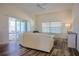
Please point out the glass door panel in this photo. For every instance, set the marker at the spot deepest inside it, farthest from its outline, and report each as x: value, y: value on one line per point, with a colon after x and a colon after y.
x: 23, y: 27
x: 12, y: 28
x: 12, y: 25
x: 28, y: 26
x: 18, y: 26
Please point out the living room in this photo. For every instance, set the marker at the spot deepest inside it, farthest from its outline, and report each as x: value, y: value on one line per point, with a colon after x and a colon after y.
x: 56, y: 19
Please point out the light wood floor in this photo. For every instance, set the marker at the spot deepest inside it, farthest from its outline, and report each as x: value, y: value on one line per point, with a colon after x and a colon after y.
x: 60, y: 49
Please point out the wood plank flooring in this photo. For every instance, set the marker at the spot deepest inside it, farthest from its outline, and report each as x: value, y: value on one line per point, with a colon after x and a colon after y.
x: 60, y: 49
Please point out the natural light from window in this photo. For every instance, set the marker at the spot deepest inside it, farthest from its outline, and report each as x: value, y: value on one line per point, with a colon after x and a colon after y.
x: 52, y: 27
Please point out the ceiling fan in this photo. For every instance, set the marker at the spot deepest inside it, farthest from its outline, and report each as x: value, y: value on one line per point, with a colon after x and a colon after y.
x: 41, y: 5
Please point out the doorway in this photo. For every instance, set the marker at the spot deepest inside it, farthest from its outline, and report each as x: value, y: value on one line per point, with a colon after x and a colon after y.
x: 16, y: 27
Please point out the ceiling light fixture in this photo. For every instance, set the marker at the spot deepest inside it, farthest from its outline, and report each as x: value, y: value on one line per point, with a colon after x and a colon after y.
x: 41, y: 5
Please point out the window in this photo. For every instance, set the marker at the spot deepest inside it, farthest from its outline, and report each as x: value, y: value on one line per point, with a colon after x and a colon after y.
x: 52, y: 27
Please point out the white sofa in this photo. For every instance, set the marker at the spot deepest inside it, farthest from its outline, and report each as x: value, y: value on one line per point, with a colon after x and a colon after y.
x: 39, y: 41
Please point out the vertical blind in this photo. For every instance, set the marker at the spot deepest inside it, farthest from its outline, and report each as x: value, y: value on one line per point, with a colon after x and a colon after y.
x: 18, y: 25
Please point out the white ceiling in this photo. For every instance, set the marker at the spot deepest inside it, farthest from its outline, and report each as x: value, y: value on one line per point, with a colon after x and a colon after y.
x: 46, y: 7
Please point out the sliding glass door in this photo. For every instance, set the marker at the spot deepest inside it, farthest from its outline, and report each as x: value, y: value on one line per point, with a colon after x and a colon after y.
x: 16, y: 27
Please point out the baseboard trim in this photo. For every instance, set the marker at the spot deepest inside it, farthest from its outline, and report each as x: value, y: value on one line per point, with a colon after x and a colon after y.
x: 3, y: 43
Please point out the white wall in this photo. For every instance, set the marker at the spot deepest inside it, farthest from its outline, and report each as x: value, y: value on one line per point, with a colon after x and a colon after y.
x: 3, y: 29
x: 5, y: 12
x: 75, y: 17
x: 64, y: 16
